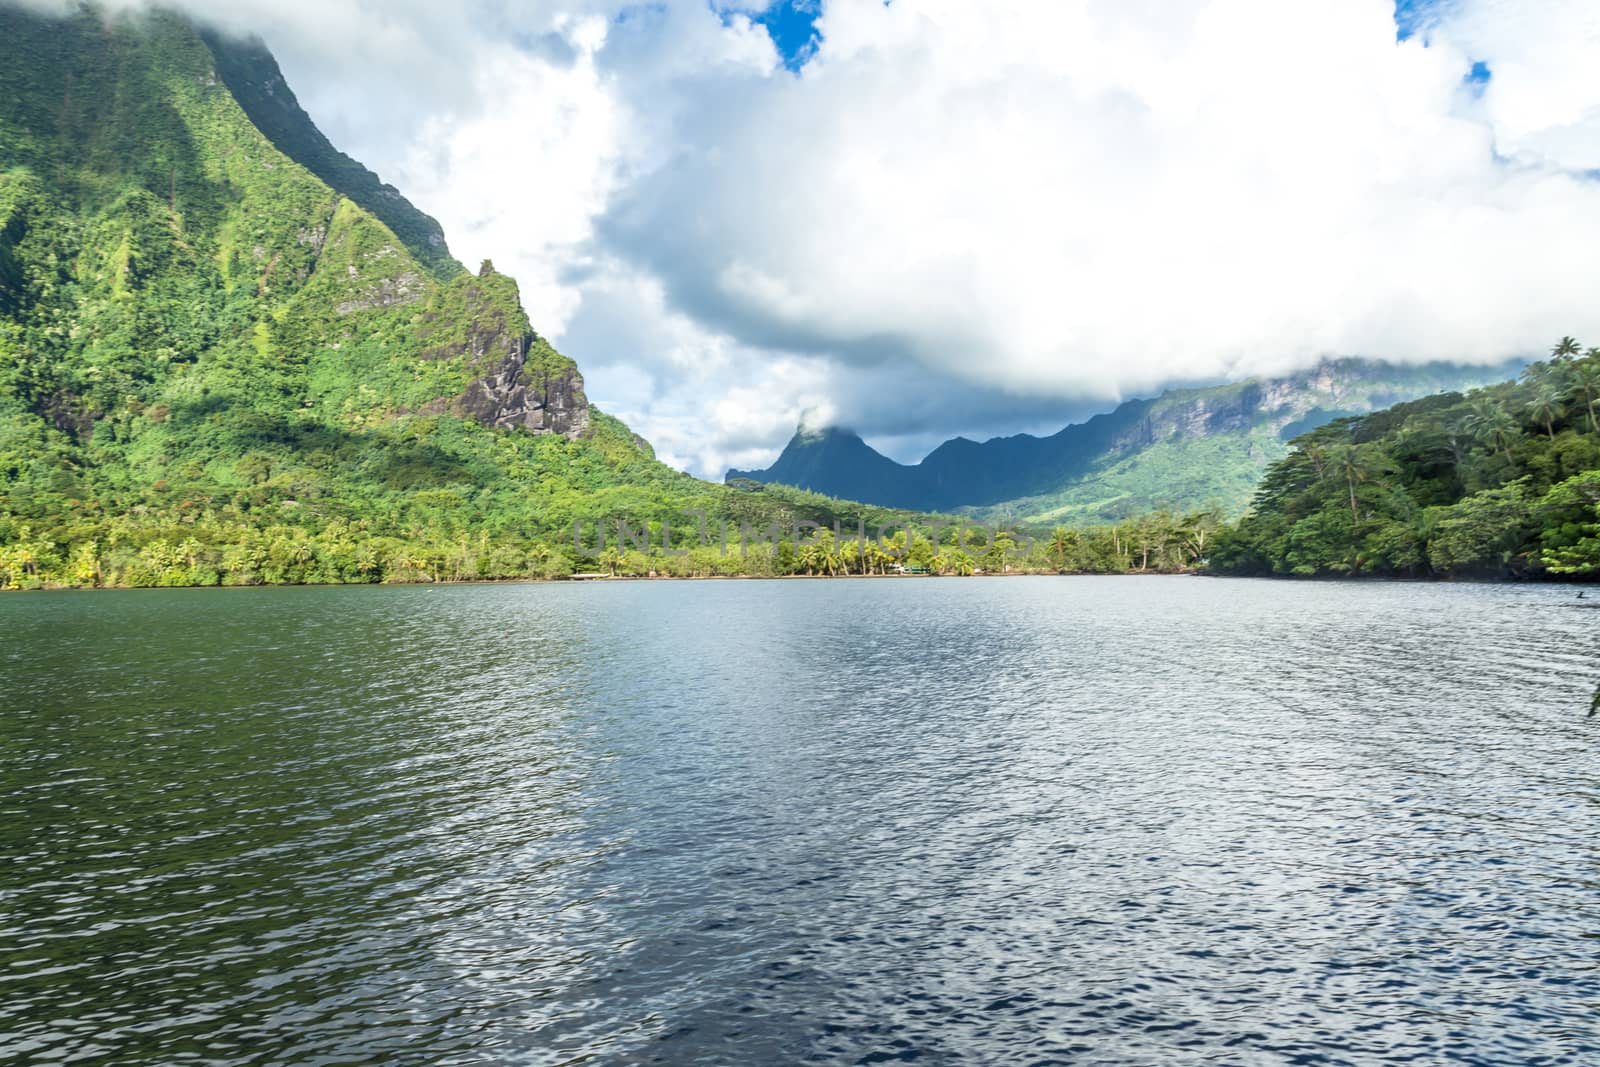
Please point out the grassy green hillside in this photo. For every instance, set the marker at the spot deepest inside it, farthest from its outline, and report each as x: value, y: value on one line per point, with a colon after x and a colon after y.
x: 1500, y: 482
x: 217, y: 367
x: 1175, y: 474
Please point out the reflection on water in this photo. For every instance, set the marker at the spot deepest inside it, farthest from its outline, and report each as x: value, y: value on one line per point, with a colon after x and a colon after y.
x: 981, y: 821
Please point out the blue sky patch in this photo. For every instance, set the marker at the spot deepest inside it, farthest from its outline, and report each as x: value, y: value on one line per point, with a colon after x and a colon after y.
x: 792, y: 25
x: 1413, y: 17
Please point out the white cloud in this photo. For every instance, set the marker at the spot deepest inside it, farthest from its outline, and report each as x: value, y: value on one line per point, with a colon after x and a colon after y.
x: 1077, y: 199
x: 963, y: 209
x: 521, y: 181
x: 702, y: 399
x: 1545, y: 101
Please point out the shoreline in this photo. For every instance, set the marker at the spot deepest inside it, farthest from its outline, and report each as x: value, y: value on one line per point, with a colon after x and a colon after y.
x: 630, y: 578
x: 612, y: 579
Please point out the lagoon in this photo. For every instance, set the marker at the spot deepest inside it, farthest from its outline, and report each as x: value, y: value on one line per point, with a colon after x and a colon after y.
x: 1011, y: 820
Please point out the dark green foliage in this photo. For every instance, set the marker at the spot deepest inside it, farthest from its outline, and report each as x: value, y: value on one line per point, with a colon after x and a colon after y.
x: 1501, y: 482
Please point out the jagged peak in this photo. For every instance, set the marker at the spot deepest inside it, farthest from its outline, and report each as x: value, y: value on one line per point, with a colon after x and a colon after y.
x: 821, y: 420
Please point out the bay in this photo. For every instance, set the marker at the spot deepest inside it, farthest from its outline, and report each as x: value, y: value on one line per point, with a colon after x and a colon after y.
x: 1043, y: 820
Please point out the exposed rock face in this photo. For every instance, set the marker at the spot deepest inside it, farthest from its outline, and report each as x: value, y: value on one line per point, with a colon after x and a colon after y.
x: 69, y: 414
x: 519, y: 380
x: 536, y: 401
x: 406, y: 288
x: 1275, y: 402
x: 1200, y: 417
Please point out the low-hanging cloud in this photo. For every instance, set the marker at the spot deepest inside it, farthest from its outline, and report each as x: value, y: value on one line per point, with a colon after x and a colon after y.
x: 1013, y: 205
x: 1091, y: 197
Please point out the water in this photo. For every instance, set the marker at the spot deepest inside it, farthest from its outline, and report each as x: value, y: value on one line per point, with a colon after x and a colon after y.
x: 998, y: 821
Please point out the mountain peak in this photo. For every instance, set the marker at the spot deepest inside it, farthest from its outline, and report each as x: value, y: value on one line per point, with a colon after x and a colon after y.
x: 823, y: 434
x: 817, y: 422
x: 830, y: 456
x: 1187, y: 448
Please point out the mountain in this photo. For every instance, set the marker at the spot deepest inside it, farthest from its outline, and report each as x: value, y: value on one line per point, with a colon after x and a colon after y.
x: 1501, y: 482
x: 231, y: 354
x: 852, y: 469
x: 1183, y: 450
x: 252, y: 76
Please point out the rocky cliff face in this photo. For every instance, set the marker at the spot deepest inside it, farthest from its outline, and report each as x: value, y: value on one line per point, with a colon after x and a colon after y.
x: 538, y: 401
x: 520, y: 381
x: 1331, y: 387
x: 1192, y: 416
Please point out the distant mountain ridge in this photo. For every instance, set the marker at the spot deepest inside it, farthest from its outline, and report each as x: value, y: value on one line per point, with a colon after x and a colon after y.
x: 1187, y: 448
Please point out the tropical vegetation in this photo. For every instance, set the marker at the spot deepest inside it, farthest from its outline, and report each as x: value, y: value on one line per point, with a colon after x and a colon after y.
x: 1499, y: 482
x: 218, y: 367
x: 230, y: 356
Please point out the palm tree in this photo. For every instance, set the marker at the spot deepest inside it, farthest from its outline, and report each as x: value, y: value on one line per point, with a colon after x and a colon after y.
x: 1547, y: 408
x: 1318, y: 455
x: 1585, y: 381
x: 1492, y: 425
x: 819, y: 556
x: 1565, y: 348
x: 1000, y: 547
x: 24, y: 557
x: 85, y: 565
x: 894, y: 550
x: 1062, y: 541
x: 1197, y: 530
x: 1351, y: 466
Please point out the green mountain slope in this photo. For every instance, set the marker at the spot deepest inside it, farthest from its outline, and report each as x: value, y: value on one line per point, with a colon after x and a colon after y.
x: 252, y: 76
x: 1184, y: 450
x: 229, y: 354
x: 1500, y: 482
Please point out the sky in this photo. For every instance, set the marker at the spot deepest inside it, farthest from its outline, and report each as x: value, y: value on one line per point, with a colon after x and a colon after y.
x: 924, y: 218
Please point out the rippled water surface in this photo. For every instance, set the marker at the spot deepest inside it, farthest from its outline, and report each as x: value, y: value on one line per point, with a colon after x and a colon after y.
x: 990, y: 821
